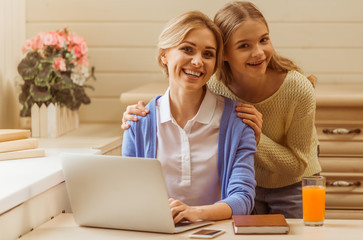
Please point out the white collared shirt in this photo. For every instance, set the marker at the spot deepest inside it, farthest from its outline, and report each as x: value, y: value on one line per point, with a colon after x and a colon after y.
x: 189, y: 155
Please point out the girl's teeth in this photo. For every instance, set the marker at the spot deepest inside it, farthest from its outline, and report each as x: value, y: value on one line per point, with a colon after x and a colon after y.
x: 255, y: 63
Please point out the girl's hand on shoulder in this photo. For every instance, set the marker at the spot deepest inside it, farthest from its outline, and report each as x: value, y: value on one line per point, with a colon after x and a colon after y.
x: 180, y: 211
x: 251, y: 117
x: 137, y: 109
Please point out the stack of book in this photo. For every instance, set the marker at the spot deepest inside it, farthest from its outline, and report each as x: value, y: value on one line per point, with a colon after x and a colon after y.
x: 17, y: 144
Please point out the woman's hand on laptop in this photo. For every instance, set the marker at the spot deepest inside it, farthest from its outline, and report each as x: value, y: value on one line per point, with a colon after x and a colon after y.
x: 136, y: 109
x: 181, y: 211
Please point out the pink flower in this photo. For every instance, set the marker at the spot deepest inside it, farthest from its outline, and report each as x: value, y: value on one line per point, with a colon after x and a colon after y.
x: 28, y: 45
x: 77, y: 39
x: 69, y: 39
x: 59, y: 64
x: 84, y: 48
x: 54, y: 41
x: 50, y: 39
x: 83, y: 61
x: 38, y: 41
x: 61, y: 41
x: 76, y: 51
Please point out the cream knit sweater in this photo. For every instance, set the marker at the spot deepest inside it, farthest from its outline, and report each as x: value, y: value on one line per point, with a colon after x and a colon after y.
x: 287, y: 150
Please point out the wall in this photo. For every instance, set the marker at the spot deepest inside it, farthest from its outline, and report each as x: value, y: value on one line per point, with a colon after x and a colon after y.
x: 323, y: 36
x: 12, y: 35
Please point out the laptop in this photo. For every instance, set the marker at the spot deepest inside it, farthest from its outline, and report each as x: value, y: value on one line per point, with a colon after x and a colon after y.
x: 120, y: 193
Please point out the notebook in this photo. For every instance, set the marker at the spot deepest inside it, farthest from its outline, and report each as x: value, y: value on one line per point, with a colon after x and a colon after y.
x: 260, y: 224
x: 119, y: 192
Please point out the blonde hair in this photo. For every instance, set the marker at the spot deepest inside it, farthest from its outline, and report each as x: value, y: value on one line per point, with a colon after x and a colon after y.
x: 229, y: 18
x: 177, y: 28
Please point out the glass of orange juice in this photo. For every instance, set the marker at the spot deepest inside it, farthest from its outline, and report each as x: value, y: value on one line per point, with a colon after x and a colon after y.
x: 313, y: 198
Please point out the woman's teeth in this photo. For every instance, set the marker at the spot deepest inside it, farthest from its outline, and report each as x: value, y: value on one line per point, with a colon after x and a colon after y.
x: 192, y: 73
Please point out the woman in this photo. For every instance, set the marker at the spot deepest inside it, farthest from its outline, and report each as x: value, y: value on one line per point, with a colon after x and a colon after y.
x: 183, y: 128
x: 253, y: 73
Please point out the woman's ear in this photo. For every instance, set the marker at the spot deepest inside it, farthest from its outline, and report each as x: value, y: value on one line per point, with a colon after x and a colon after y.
x: 163, y: 59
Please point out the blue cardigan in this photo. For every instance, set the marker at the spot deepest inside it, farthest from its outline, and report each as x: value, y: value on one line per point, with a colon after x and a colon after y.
x: 236, y: 149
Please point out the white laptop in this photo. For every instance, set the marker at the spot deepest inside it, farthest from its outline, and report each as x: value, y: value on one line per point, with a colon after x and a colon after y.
x: 120, y: 193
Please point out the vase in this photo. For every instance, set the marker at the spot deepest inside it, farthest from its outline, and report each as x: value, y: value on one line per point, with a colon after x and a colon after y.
x: 52, y: 121
x: 25, y: 122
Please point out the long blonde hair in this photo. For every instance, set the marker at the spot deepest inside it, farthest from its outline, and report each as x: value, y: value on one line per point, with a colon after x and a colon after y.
x: 177, y: 28
x: 229, y: 18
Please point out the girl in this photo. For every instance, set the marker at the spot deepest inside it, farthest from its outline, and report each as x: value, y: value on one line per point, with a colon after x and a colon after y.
x: 254, y: 73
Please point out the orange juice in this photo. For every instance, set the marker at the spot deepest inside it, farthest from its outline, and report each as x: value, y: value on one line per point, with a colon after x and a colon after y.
x: 313, y: 203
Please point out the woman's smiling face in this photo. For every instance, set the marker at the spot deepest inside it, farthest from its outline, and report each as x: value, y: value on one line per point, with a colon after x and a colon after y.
x: 192, y: 62
x: 249, y: 49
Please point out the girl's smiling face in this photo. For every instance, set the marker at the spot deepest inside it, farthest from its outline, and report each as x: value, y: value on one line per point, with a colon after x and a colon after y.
x: 249, y: 49
x: 192, y: 62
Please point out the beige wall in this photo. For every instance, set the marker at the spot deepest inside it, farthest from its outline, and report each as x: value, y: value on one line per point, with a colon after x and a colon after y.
x: 323, y: 36
x: 12, y: 35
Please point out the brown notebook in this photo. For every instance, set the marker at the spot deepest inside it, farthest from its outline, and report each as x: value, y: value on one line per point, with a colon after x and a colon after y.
x: 260, y: 224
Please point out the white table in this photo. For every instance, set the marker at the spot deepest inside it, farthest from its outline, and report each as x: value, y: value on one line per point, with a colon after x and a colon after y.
x: 63, y: 227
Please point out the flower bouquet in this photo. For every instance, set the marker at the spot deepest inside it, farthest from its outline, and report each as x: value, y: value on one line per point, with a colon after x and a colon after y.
x: 54, y: 70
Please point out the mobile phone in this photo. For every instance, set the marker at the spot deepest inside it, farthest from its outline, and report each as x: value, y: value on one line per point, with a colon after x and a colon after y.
x: 207, y: 233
